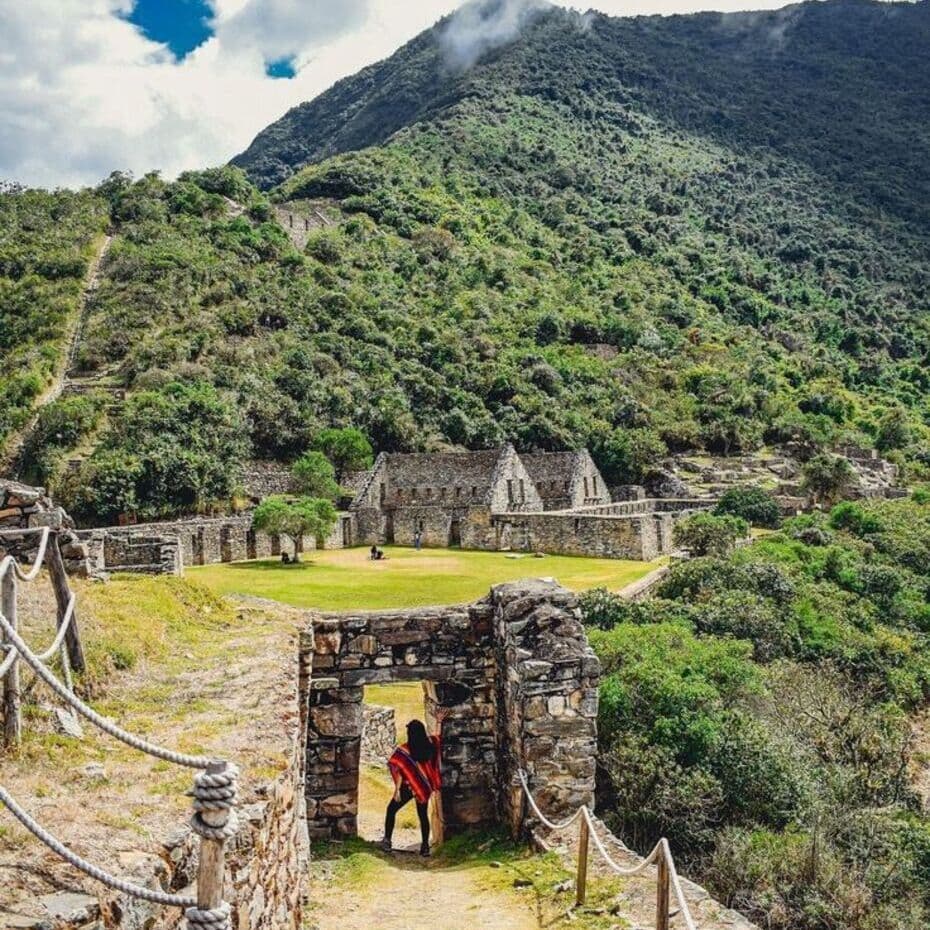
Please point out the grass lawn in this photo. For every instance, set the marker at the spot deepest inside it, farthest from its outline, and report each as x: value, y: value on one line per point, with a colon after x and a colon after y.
x: 344, y: 579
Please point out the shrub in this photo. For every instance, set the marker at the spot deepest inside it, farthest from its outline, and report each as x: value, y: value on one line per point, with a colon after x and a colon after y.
x: 854, y: 518
x: 315, y: 476
x: 827, y: 477
x: 754, y: 505
x: 707, y: 534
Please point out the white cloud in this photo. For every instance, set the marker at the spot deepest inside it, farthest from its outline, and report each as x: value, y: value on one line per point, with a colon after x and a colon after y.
x: 82, y: 92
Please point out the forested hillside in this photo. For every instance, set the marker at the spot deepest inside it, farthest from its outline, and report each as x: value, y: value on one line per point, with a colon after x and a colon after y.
x: 758, y: 712
x: 641, y: 235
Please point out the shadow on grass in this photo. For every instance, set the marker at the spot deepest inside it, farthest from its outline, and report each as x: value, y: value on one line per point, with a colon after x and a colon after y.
x: 266, y: 565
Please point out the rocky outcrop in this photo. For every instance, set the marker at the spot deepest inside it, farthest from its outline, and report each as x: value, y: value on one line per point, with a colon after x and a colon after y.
x: 23, y: 507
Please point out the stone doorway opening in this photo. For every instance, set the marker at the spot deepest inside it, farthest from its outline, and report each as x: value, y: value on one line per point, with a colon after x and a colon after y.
x: 386, y: 711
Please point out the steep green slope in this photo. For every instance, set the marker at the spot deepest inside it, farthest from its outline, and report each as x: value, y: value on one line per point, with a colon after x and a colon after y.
x: 46, y: 243
x: 639, y: 235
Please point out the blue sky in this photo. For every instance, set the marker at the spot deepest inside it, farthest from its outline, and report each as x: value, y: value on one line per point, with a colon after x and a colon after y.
x: 90, y: 86
x: 182, y: 25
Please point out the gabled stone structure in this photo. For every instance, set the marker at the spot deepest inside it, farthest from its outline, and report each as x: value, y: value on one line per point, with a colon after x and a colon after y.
x: 446, y: 497
x: 566, y: 480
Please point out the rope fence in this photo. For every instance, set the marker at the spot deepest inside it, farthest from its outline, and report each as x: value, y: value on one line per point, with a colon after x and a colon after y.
x: 215, y: 790
x: 667, y: 880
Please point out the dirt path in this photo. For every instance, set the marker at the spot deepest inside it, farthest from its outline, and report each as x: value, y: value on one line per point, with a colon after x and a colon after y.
x: 16, y: 444
x: 400, y: 891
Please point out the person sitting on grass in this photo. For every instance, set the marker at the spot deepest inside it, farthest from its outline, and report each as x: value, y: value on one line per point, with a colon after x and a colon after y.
x: 415, y: 768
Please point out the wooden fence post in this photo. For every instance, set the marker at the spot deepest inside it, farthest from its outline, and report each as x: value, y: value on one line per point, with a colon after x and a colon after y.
x: 581, y: 878
x: 211, y: 865
x: 12, y: 725
x: 56, y: 570
x: 662, y: 888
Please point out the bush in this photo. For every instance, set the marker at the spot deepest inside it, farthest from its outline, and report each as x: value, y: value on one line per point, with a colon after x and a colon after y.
x: 854, y: 518
x: 315, y: 476
x: 827, y: 477
x: 707, y: 534
x: 754, y: 505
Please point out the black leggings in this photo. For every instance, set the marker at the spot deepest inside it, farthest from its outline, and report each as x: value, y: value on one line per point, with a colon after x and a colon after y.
x: 394, y: 806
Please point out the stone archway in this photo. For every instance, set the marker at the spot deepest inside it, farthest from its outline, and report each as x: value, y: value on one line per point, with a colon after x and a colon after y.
x: 524, y: 680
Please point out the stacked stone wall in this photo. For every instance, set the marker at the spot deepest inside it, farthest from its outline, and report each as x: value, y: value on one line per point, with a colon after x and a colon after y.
x: 152, y: 555
x: 435, y: 645
x: 548, y: 700
x: 195, y: 542
x: 520, y: 679
x: 25, y: 507
x: 263, y: 479
x: 379, y: 733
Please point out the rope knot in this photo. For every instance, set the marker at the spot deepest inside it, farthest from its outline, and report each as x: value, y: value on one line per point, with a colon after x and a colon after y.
x: 214, y: 918
x: 215, y: 794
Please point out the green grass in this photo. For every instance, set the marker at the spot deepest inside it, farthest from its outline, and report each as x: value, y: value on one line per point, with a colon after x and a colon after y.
x: 346, y: 579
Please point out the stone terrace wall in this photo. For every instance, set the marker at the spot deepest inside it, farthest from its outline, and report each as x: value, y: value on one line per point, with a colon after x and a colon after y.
x: 379, y: 733
x: 641, y: 538
x: 262, y: 479
x: 516, y: 669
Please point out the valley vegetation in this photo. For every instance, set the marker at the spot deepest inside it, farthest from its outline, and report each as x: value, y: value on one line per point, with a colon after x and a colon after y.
x: 758, y: 713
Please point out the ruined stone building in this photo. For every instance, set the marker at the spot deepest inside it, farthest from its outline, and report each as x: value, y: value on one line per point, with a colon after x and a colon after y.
x: 447, y: 497
x: 555, y: 502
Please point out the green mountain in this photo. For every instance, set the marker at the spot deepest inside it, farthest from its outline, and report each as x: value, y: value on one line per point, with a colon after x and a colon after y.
x: 650, y: 234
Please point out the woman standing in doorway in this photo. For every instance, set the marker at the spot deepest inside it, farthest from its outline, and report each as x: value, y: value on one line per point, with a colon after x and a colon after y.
x: 415, y: 767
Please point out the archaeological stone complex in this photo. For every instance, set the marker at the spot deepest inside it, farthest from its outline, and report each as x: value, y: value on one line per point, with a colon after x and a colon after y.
x: 518, y: 674
x: 554, y: 502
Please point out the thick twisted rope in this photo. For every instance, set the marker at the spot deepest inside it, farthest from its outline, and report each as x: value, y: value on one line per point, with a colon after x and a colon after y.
x: 660, y: 849
x: 111, y: 881
x: 215, y: 789
x: 31, y: 659
x: 215, y: 794
x: 57, y: 643
x: 9, y: 562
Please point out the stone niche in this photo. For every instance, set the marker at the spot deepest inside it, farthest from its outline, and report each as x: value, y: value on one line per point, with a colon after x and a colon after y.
x: 518, y: 673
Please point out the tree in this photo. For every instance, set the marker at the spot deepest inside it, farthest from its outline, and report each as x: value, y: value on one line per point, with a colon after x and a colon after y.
x: 348, y: 449
x: 754, y: 505
x: 315, y: 476
x: 707, y: 534
x: 306, y: 516
x: 827, y: 477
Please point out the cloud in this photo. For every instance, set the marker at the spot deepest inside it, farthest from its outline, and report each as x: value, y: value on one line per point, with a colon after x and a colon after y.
x: 83, y: 92
x: 480, y: 26
x: 278, y: 29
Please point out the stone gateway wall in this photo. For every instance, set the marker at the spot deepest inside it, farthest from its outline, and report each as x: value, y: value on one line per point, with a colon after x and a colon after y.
x: 518, y: 674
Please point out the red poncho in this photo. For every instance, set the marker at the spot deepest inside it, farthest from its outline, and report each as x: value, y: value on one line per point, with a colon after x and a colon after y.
x: 423, y: 778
